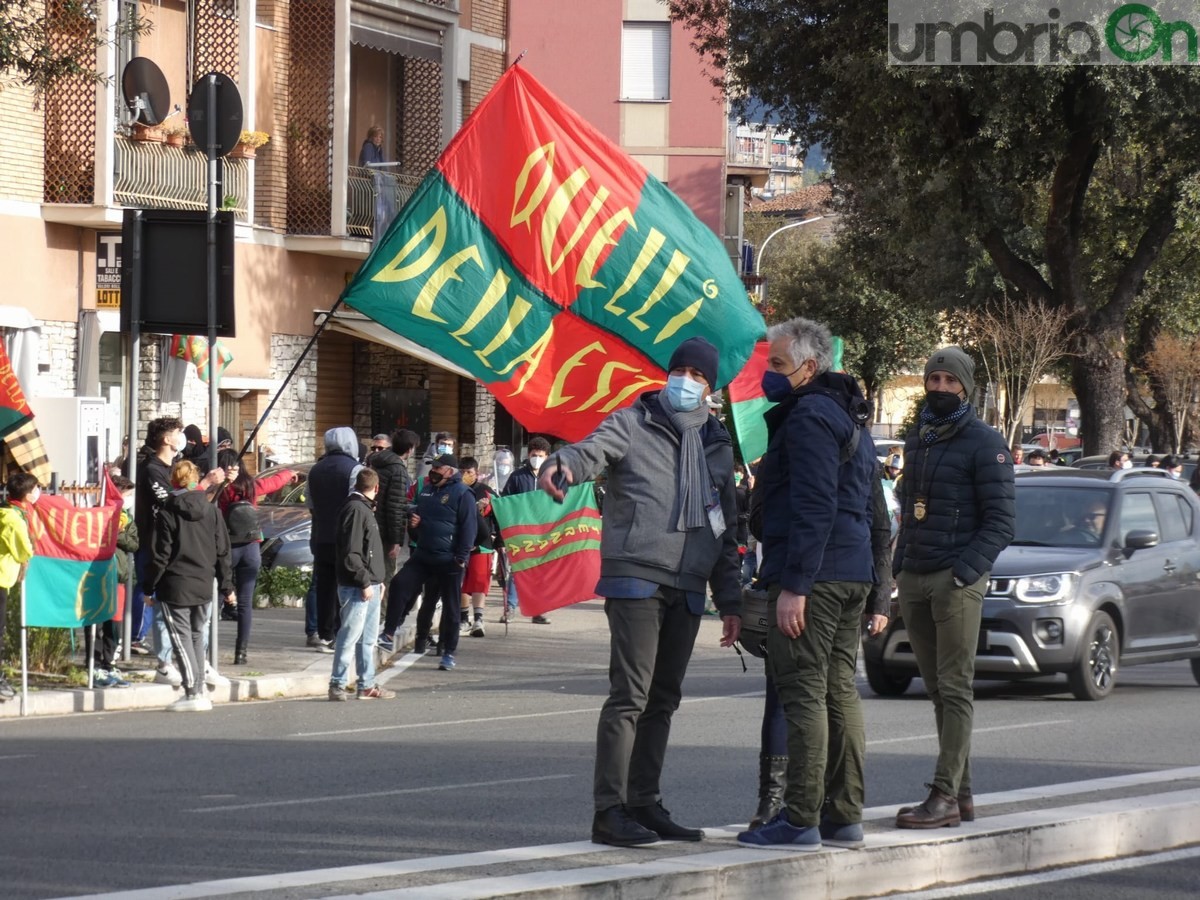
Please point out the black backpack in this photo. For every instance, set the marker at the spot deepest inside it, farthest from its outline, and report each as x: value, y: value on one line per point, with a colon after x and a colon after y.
x: 241, y: 518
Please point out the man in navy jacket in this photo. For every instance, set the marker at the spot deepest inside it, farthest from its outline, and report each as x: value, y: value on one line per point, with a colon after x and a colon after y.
x: 818, y: 566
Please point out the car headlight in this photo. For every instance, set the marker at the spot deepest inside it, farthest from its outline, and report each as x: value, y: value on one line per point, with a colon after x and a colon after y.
x: 1045, y: 588
x: 297, y: 534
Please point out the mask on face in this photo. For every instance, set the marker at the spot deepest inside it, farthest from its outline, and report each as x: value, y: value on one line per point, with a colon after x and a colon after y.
x: 535, y: 462
x: 502, y: 472
x: 1127, y: 464
x: 469, y: 478
x: 942, y: 403
x: 180, y: 443
x: 775, y: 386
x: 435, y: 477
x: 34, y: 496
x: 445, y: 448
x: 683, y: 393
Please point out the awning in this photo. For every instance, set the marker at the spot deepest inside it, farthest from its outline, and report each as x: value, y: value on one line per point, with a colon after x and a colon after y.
x: 359, y: 326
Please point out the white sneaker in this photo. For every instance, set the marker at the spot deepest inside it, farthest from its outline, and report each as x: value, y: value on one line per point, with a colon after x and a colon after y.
x: 213, y: 678
x: 198, y: 703
x: 168, y: 674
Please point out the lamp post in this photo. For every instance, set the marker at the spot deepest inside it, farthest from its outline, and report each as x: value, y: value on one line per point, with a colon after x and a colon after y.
x: 763, y: 249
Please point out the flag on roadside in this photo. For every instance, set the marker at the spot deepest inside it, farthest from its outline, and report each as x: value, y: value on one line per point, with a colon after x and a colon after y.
x: 553, y: 548
x: 72, y: 578
x: 747, y: 403
x: 554, y: 268
x: 17, y: 428
x: 194, y: 349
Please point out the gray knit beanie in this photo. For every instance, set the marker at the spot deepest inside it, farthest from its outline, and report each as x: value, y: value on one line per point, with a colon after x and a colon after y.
x: 955, y: 361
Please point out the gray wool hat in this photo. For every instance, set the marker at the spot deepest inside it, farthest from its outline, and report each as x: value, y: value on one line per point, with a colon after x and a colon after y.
x: 955, y: 361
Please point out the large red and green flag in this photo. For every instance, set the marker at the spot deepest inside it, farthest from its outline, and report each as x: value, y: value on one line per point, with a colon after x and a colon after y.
x: 553, y: 548
x: 747, y: 403
x: 554, y: 268
x: 72, y: 578
x: 17, y: 429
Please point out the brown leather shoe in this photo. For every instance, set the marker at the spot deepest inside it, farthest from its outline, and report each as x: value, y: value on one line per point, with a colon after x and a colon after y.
x: 938, y: 811
x: 966, y: 807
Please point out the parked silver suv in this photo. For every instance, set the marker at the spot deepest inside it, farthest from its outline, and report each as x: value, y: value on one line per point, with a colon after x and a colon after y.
x: 1104, y: 572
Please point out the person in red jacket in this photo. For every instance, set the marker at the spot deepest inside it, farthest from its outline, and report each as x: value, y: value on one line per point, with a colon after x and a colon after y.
x: 238, y: 500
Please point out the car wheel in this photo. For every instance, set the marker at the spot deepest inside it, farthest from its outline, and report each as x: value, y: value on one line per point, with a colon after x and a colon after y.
x: 883, y: 683
x: 1096, y: 671
x: 1196, y: 669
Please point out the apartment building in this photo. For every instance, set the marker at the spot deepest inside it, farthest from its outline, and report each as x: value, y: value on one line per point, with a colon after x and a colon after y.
x: 314, y: 76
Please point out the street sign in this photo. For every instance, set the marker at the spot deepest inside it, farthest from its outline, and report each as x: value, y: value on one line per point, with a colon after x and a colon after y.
x: 108, y: 270
x: 227, y: 123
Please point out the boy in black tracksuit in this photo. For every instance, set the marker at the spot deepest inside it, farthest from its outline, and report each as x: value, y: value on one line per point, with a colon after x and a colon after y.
x: 191, y: 545
x: 445, y: 523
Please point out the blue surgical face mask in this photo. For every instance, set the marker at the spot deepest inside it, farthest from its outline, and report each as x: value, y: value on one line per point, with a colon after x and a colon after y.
x: 775, y: 386
x: 445, y: 448
x: 685, y: 394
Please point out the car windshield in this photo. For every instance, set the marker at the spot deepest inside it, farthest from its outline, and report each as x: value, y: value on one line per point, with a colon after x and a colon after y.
x: 1060, y: 516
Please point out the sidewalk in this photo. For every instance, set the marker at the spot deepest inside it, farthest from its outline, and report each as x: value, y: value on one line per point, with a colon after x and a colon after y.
x: 280, y: 665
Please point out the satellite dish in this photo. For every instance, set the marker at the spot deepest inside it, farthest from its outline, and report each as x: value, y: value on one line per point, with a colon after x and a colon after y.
x: 225, y: 131
x: 146, y: 92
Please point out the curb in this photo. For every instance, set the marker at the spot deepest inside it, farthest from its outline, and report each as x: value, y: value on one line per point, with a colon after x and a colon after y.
x: 893, y: 861
x: 312, y: 681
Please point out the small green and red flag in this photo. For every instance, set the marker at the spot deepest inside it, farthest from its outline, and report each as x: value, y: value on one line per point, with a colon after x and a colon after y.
x: 552, y: 267
x: 194, y: 349
x: 553, y: 548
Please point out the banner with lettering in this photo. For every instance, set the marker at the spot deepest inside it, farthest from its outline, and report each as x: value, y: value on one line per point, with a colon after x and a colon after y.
x: 553, y: 548
x: 72, y: 578
x: 550, y: 265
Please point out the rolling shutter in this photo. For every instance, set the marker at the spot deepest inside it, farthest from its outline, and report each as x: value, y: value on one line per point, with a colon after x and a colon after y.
x: 646, y: 61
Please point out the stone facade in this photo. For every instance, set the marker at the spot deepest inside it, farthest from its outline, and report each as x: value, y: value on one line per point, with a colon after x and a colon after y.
x: 57, y: 355
x: 289, y: 429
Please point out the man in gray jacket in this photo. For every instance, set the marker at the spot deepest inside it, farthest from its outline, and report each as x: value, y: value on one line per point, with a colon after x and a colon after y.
x: 359, y: 569
x: 670, y: 529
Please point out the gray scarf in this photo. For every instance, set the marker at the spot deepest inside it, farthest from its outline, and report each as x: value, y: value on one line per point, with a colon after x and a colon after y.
x: 695, y: 484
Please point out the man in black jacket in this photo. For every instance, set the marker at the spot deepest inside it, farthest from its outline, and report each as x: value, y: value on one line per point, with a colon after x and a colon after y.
x: 391, y: 505
x: 359, y: 554
x: 957, y: 503
x: 329, y: 483
x: 445, y: 525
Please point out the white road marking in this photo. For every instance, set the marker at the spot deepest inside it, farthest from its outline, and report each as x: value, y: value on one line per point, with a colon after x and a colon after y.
x: 514, y: 717
x: 1036, y: 878
x: 370, y: 794
x: 974, y: 731
x: 18, y: 756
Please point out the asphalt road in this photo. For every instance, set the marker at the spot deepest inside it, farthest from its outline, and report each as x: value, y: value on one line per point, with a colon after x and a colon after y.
x: 496, y: 754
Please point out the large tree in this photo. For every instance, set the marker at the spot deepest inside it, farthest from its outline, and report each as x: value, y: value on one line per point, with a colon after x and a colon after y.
x: 1064, y: 182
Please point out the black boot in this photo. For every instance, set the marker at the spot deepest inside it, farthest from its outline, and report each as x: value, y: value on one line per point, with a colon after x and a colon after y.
x: 772, y: 780
x: 239, y: 655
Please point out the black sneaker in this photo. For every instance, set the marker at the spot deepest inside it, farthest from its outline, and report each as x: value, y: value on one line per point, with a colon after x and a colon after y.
x: 541, y: 620
x: 615, y: 827
x: 420, y: 645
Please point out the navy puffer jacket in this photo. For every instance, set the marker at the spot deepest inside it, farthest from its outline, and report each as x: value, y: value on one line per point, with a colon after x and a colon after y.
x: 965, y: 483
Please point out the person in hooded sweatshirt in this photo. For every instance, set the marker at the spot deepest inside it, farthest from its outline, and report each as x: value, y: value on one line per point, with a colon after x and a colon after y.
x: 191, y: 547
x: 330, y: 481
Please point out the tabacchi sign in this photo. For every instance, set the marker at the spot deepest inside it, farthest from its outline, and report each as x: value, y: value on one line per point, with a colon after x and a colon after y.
x: 1015, y: 33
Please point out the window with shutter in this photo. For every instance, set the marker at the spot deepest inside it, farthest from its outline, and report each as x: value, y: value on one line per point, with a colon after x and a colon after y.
x: 646, y: 61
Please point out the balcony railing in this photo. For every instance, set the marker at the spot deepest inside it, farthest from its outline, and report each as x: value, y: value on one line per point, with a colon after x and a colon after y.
x: 160, y: 176
x: 367, y: 187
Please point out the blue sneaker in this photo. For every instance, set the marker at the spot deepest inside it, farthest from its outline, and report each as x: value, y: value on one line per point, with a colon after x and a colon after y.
x: 448, y: 662
x: 386, y: 642
x: 780, y: 832
x: 834, y: 834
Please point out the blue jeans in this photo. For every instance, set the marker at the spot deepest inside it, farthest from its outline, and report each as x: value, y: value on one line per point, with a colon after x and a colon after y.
x: 510, y: 594
x: 310, y: 608
x: 246, y: 560
x: 357, y: 635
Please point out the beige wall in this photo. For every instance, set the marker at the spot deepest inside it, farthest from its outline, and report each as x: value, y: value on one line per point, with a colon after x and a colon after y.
x: 22, y: 157
x: 46, y: 281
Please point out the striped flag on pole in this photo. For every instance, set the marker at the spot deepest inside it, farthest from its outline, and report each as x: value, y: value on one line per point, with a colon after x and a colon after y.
x: 194, y: 349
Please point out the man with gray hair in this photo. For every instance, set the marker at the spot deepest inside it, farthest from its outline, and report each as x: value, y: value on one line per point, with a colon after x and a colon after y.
x: 817, y: 478
x: 957, y: 506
